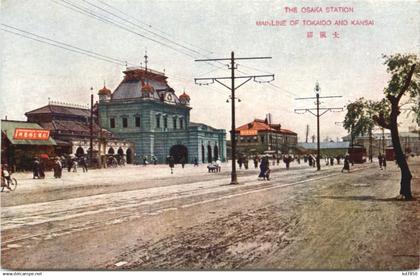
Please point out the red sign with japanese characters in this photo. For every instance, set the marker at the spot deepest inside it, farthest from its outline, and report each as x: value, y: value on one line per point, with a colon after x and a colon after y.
x: 31, y: 134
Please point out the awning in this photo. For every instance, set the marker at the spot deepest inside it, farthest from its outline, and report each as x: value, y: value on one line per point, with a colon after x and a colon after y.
x: 9, y: 129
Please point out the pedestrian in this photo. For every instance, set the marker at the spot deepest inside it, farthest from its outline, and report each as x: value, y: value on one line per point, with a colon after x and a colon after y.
x: 255, y: 161
x: 41, y: 169
x: 384, y: 163
x: 83, y: 164
x: 332, y: 161
x: 287, y: 159
x: 346, y: 164
x: 264, y: 169
x: 380, y: 159
x: 338, y: 159
x: 145, y: 160
x: 171, y: 162
x: 246, y: 163
x: 35, y: 168
x: 240, y: 162
x: 310, y: 160
x: 69, y: 164
x: 219, y: 165
x: 74, y: 163
x: 154, y: 160
x: 298, y: 159
x: 195, y: 162
x: 58, y: 167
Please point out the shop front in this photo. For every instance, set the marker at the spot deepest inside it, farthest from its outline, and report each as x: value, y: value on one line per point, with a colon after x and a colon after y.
x: 22, y: 142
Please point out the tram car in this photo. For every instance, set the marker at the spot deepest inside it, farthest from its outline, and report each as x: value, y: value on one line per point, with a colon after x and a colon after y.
x: 357, y: 154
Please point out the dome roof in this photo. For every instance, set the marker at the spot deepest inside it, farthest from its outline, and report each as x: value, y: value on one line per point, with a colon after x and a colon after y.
x: 147, y: 88
x: 104, y: 91
x: 184, y: 96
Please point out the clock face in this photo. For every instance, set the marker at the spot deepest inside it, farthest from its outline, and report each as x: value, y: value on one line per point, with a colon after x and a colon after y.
x: 169, y: 97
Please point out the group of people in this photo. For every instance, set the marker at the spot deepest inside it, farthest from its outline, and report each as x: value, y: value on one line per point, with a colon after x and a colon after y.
x: 72, y: 163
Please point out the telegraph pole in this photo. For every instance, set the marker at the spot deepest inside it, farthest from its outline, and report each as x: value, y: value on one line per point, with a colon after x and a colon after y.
x: 91, y: 128
x: 317, y: 115
x: 232, y: 88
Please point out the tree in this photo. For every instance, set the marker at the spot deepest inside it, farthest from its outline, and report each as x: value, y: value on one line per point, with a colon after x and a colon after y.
x: 404, y: 83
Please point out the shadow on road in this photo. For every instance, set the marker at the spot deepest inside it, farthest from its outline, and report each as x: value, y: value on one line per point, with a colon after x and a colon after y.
x: 361, y: 198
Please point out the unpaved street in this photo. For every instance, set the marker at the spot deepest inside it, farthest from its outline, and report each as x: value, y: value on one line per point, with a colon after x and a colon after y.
x: 139, y: 217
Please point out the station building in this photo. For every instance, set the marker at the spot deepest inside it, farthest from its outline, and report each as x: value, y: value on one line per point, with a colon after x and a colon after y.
x: 144, y: 109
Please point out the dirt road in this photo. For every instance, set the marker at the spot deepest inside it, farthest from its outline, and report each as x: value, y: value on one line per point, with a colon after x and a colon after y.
x: 133, y: 218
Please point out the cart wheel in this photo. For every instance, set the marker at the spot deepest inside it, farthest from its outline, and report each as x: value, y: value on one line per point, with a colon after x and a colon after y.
x: 13, y: 184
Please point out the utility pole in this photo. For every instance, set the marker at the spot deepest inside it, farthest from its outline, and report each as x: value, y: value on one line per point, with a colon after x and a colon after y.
x: 307, y: 133
x: 318, y: 115
x: 91, y: 128
x: 232, y: 88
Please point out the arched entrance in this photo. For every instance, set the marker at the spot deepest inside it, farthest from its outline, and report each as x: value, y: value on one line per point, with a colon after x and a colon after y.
x: 129, y: 153
x: 209, y: 155
x: 120, y: 152
x: 216, y: 152
x: 111, y: 151
x: 203, y: 159
x: 80, y: 152
x: 179, y: 153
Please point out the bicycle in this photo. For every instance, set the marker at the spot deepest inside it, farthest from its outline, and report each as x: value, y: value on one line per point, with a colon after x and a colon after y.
x: 11, y: 183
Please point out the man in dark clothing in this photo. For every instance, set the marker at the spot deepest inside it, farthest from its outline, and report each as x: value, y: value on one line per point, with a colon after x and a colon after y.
x: 195, y: 162
x: 83, y: 164
x: 35, y: 168
x: 346, y: 164
x: 380, y: 158
x: 171, y: 162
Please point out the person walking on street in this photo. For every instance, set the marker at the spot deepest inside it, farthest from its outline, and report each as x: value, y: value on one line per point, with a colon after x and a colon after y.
x: 195, y: 162
x: 182, y: 161
x: 171, y: 162
x: 240, y: 162
x: 69, y: 164
x: 264, y: 168
x: 41, y: 169
x: 58, y: 167
x: 83, y: 163
x: 346, y: 164
x: 384, y: 163
x: 255, y: 162
x: 35, y: 168
x: 246, y: 163
x: 380, y: 158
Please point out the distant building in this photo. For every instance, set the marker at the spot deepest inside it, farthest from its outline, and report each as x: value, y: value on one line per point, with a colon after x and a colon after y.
x: 330, y: 149
x: 260, y: 136
x: 410, y: 142
x: 145, y: 109
x: 69, y: 125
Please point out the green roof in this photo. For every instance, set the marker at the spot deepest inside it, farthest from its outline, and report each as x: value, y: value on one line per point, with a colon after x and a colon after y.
x: 8, y: 128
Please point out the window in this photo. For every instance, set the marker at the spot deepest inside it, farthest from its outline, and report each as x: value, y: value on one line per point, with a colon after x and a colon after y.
x: 181, y: 123
x: 137, y: 121
x: 124, y: 122
x: 174, y: 122
x: 112, y: 123
x: 165, y: 122
x: 158, y: 121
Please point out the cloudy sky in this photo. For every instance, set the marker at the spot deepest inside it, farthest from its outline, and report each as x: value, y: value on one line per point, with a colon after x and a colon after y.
x: 177, y: 32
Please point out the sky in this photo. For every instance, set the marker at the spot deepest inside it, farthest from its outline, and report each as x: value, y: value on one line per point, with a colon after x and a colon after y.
x: 349, y: 65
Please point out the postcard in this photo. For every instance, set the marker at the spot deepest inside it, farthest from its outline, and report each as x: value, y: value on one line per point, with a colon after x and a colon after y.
x: 210, y: 135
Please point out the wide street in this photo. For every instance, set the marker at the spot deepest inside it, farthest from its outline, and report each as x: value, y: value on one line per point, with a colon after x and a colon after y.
x: 137, y: 217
